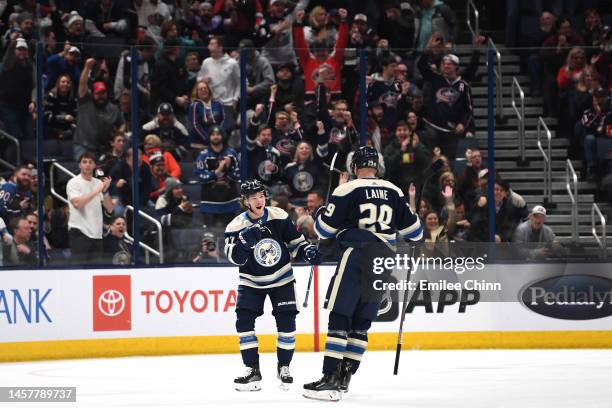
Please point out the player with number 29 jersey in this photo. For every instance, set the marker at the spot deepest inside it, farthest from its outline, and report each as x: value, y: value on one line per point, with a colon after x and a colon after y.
x: 375, y: 208
x: 364, y: 215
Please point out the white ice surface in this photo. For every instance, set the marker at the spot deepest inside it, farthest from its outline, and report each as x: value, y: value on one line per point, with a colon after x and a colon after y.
x: 427, y: 379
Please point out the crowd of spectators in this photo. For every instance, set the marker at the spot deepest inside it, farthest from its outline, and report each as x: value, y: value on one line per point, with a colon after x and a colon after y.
x: 303, y: 106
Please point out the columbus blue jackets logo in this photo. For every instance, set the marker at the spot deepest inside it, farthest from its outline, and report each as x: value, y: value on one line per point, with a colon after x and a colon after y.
x: 447, y: 95
x: 303, y: 181
x: 267, y: 252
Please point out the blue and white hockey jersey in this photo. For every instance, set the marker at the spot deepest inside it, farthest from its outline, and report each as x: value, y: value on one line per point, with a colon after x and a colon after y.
x: 10, y: 201
x: 268, y: 264
x: 370, y: 207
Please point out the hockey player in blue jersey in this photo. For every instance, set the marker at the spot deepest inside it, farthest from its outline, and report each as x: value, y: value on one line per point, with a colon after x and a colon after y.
x: 261, y: 241
x: 363, y: 213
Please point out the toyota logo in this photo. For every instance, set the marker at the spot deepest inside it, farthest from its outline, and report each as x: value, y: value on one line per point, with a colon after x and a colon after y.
x: 111, y: 303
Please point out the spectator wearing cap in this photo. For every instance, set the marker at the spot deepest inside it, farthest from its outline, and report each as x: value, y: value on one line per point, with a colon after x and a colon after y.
x: 204, y: 112
x: 145, y: 47
x: 593, y: 125
x: 173, y: 134
x: 73, y: 28
x: 102, y: 118
x: 24, y: 28
x: 61, y: 109
x: 152, y: 145
x: 536, y: 240
x: 321, y: 67
x: 449, y: 116
x: 168, y: 80
x: 218, y: 171
x: 173, y: 206
x: 208, y: 250
x: 157, y: 163
x: 273, y: 35
x: 222, y: 73
x: 16, y: 85
x: 260, y: 75
x: 64, y: 63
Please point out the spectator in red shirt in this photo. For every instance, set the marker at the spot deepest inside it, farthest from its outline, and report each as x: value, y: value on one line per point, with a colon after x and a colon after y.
x: 321, y: 67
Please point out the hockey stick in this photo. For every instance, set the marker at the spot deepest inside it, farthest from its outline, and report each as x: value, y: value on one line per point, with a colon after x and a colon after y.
x: 331, y: 174
x: 435, y: 167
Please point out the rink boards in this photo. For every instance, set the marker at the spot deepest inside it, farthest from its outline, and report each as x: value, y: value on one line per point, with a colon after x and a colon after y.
x: 183, y: 310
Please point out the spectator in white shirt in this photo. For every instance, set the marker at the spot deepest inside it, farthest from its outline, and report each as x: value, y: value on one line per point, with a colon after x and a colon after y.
x: 87, y: 196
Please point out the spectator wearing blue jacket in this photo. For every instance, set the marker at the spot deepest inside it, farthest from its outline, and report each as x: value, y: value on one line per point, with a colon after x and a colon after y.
x: 218, y: 170
x: 204, y: 113
x: 64, y: 63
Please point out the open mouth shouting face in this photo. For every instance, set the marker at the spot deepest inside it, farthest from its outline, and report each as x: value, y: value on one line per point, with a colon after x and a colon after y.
x: 257, y: 204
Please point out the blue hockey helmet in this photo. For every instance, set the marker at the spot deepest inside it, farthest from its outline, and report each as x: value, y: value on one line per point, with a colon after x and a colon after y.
x: 251, y: 187
x: 365, y: 156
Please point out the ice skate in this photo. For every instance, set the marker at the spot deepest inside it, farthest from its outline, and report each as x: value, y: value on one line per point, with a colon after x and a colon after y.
x: 250, y: 381
x: 326, y: 389
x: 284, y: 375
x: 345, y: 376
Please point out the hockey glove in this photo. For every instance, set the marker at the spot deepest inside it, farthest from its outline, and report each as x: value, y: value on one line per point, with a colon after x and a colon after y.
x: 312, y: 255
x: 249, y: 237
x: 320, y: 211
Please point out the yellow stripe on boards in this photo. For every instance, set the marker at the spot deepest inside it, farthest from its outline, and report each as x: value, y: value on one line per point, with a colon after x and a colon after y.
x: 153, y: 346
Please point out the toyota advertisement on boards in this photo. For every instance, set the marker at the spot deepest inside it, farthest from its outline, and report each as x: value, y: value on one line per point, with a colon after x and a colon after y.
x: 189, y: 301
